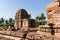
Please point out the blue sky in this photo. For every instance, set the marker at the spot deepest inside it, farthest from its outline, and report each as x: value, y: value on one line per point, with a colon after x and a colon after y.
x: 8, y: 8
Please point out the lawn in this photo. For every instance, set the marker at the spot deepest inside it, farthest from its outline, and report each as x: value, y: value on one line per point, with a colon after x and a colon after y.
x: 4, y: 26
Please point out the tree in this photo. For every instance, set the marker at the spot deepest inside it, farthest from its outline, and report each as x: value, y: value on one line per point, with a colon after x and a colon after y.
x: 2, y: 19
x: 29, y: 15
x: 42, y: 17
x: 37, y: 20
x: 6, y: 21
x: 10, y: 20
x: 40, y: 20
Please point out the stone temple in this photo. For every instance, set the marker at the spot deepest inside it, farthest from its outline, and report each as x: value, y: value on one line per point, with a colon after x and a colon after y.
x: 22, y: 20
x: 24, y: 27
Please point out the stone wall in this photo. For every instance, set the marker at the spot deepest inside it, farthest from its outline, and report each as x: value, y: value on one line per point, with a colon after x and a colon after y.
x: 53, y: 12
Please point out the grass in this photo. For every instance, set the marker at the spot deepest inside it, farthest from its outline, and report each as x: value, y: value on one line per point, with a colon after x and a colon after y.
x: 4, y: 26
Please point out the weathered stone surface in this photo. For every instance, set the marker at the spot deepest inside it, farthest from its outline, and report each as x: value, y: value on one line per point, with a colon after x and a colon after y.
x: 21, y: 14
x: 53, y: 12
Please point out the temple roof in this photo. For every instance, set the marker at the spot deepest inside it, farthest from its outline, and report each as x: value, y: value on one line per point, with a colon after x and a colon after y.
x: 20, y: 11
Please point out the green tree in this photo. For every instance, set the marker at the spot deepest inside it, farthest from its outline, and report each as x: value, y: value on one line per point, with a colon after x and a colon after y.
x: 29, y: 15
x: 40, y: 20
x: 37, y: 21
x: 2, y: 19
x: 42, y: 17
x: 10, y: 20
x: 6, y: 21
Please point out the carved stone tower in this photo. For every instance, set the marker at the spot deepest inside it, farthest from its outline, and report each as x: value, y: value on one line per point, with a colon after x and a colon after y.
x: 53, y: 12
x: 22, y: 20
x: 20, y: 15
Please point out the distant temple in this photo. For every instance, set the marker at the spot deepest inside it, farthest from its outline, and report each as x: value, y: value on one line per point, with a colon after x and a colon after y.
x: 22, y: 20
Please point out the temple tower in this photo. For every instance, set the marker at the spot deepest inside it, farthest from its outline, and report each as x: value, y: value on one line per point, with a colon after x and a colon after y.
x: 22, y: 20
x: 20, y: 15
x: 53, y: 12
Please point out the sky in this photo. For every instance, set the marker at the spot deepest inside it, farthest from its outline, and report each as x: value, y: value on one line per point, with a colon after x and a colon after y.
x: 8, y: 8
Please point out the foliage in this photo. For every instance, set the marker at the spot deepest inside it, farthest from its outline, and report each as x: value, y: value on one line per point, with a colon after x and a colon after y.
x: 37, y: 18
x: 10, y: 20
x: 40, y: 19
x: 37, y: 23
x: 3, y: 26
x: 2, y: 19
x: 29, y: 15
x: 6, y: 23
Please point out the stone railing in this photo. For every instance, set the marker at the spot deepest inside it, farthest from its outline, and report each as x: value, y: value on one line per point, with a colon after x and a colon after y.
x: 47, y: 29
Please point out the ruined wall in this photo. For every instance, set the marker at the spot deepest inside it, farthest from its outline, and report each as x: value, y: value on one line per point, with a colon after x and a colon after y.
x: 53, y: 12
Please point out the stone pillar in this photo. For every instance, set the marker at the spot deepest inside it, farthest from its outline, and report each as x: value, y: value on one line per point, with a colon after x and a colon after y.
x: 25, y: 24
x: 20, y: 21
x: 20, y: 24
x: 15, y: 24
